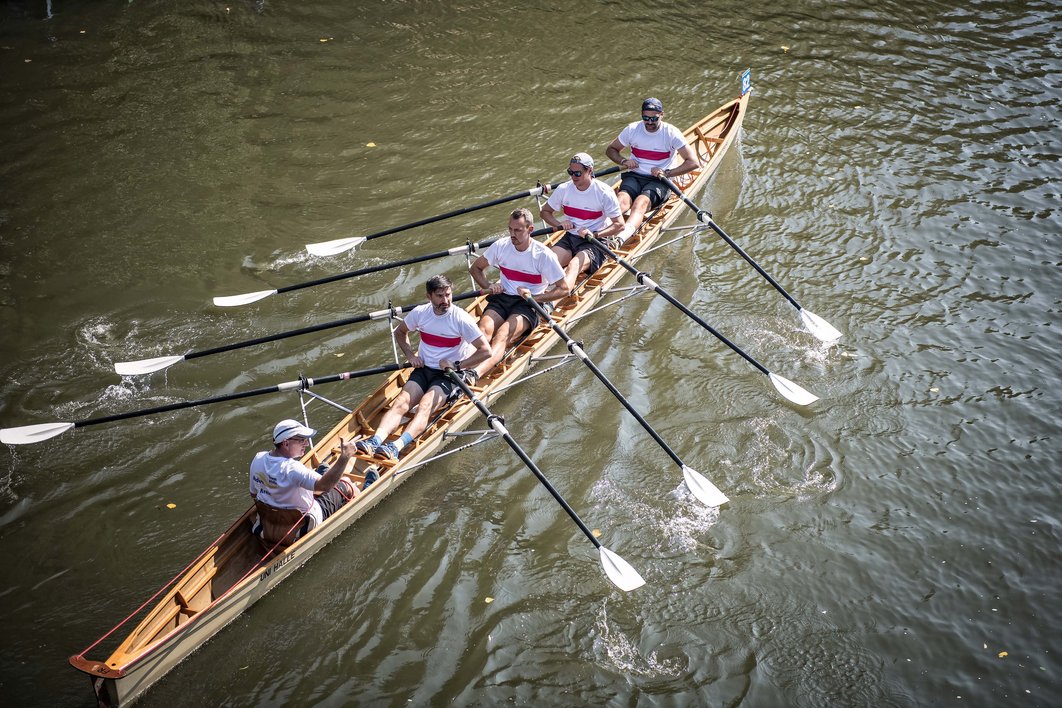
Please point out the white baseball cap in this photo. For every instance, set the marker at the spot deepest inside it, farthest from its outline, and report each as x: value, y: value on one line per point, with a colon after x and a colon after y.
x: 583, y: 159
x: 290, y: 428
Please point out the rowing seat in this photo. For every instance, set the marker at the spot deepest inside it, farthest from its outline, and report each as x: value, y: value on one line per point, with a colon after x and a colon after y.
x: 279, y: 527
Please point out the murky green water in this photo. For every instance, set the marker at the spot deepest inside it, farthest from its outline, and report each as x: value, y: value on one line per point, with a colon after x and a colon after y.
x: 897, y: 543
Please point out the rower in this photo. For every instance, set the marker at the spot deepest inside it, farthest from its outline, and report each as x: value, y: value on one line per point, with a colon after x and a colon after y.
x: 449, y: 338
x: 526, y: 267
x: 654, y: 146
x: 587, y: 207
x: 283, y: 488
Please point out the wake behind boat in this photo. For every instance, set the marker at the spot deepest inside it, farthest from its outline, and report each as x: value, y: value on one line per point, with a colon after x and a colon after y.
x: 236, y: 570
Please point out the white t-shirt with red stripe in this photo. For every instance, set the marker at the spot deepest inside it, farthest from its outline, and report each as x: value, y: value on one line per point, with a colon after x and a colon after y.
x: 533, y: 269
x: 446, y: 336
x: 652, y: 149
x: 590, y: 208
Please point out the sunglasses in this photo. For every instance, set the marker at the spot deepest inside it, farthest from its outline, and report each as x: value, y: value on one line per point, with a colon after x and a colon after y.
x: 575, y: 173
x: 651, y: 119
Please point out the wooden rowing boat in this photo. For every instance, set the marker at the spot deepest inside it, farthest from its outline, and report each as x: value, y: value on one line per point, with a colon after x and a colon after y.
x: 235, y: 571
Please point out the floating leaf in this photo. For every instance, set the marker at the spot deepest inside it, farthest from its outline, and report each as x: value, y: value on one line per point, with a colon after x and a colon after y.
x: 1002, y: 654
x: 597, y: 533
x: 934, y: 389
x: 785, y: 49
x: 488, y: 599
x: 340, y: 353
x: 370, y: 145
x: 171, y: 505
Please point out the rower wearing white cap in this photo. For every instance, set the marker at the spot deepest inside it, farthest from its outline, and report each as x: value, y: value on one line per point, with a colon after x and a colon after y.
x: 283, y: 488
x: 583, y: 207
x: 655, y: 148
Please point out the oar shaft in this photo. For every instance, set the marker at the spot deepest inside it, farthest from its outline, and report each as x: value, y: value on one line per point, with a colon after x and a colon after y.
x: 377, y: 268
x: 286, y: 386
x: 577, y: 350
x: 730, y: 242
x: 468, y: 210
x: 379, y: 314
x: 499, y: 427
x: 644, y: 279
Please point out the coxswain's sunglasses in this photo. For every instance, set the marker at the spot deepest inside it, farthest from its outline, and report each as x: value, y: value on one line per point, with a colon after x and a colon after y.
x: 575, y: 173
x: 651, y: 119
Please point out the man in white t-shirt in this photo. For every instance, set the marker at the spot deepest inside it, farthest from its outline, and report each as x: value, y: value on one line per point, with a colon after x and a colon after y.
x: 587, y: 207
x: 281, y: 482
x: 449, y: 338
x: 655, y: 148
x: 526, y: 267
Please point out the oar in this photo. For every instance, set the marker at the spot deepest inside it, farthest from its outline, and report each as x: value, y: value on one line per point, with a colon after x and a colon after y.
x: 146, y: 366
x: 247, y: 298
x: 618, y: 570
x: 704, y: 490
x: 36, y: 433
x: 819, y: 327
x: 786, y: 387
x: 339, y: 245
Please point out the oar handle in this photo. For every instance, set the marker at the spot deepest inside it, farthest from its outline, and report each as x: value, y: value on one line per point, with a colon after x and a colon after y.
x: 730, y: 242
x: 576, y: 349
x: 499, y: 427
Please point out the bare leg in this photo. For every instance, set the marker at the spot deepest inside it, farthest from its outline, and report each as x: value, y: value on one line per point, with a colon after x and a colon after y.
x: 428, y: 405
x: 409, y: 397
x: 579, y: 264
x: 641, y: 205
x: 506, y: 333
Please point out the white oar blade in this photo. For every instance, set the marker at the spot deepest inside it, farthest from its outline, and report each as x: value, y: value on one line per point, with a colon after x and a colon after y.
x: 332, y: 248
x: 704, y: 490
x: 145, y: 366
x: 29, y: 434
x: 620, y: 571
x: 245, y: 299
x: 823, y: 330
x: 791, y: 391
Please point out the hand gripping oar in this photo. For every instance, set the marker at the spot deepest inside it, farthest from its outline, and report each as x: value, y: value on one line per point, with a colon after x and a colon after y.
x: 819, y: 327
x: 704, y: 490
x: 339, y: 245
x: 786, y: 387
x: 36, y: 433
x: 247, y: 298
x: 146, y: 366
x: 618, y: 570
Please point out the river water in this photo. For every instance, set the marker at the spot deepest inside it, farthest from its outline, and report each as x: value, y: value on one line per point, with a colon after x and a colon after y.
x: 896, y: 543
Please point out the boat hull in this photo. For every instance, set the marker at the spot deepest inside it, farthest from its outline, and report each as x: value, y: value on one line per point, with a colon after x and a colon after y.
x: 236, y: 572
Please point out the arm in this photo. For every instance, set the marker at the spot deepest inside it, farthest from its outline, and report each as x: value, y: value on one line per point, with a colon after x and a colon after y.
x: 481, y: 354
x: 689, y: 164
x: 476, y: 270
x: 330, y: 478
x: 554, y: 291
x: 614, y: 152
x: 547, y: 213
x: 401, y: 335
x: 613, y: 228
